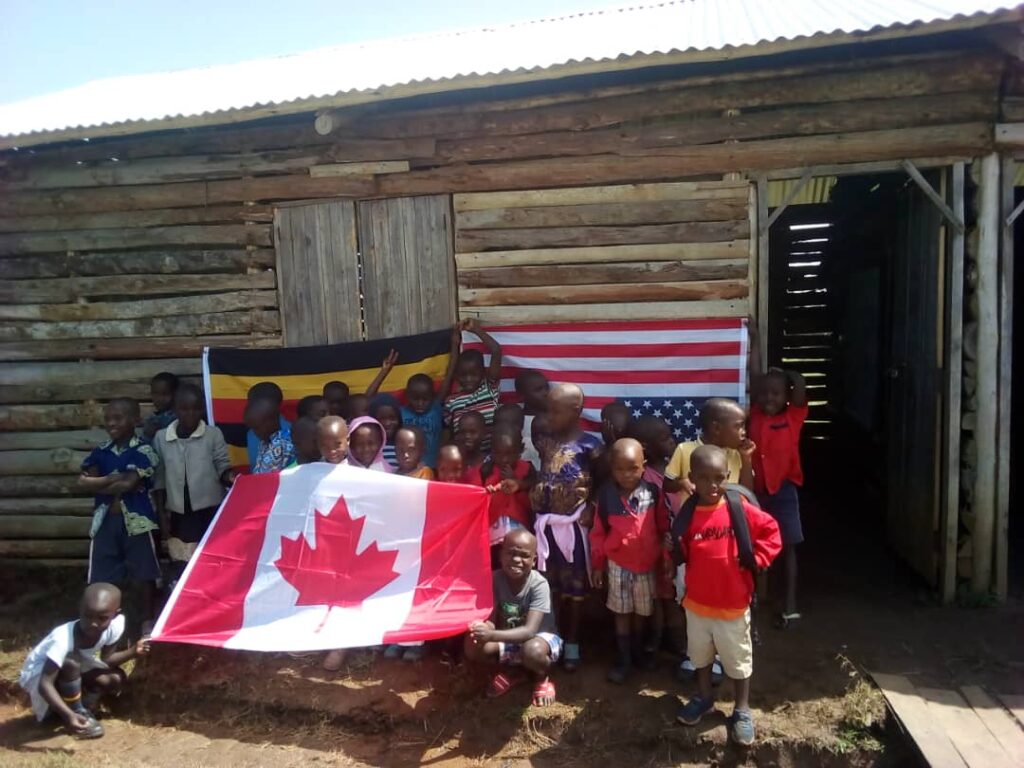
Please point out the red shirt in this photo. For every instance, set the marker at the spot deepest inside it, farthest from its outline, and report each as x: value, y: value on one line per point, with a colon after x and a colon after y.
x: 636, y: 524
x: 515, y: 506
x: 777, y: 437
x: 716, y: 585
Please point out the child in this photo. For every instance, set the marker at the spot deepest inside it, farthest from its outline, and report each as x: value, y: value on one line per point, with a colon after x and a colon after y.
x: 304, y: 432
x: 424, y: 408
x: 332, y: 439
x: 615, y: 421
x: 775, y: 423
x: 478, y: 388
x: 410, y: 449
x: 275, y: 449
x: 81, y: 656
x: 509, y: 478
x: 720, y: 585
x: 386, y: 409
x: 656, y: 438
x: 162, y: 388
x: 522, y: 629
x: 532, y: 387
x: 356, y: 406
x: 626, y: 542
x: 470, y: 436
x: 511, y: 415
x: 559, y: 502
x: 120, y: 474
x: 722, y: 423
x: 335, y: 394
x: 190, y: 480
x: 366, y: 445
x: 313, y: 406
x: 540, y: 436
x: 451, y: 467
x: 265, y: 390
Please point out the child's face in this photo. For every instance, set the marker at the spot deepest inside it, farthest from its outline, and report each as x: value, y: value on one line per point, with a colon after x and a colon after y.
x: 332, y: 443
x: 358, y: 405
x: 419, y: 395
x: 614, y: 422
x: 365, y: 444
x: 517, y: 557
x: 119, y: 421
x: 773, y: 394
x: 470, y: 436
x: 729, y: 430
x: 450, y: 467
x: 563, y: 416
x: 317, y: 410
x: 506, y: 451
x: 188, y: 411
x: 161, y: 394
x: 659, y: 444
x: 535, y: 393
x: 263, y: 425
x: 709, y: 480
x: 305, y: 444
x: 627, y: 469
x: 335, y: 398
x: 540, y: 433
x: 470, y: 374
x: 390, y: 419
x: 510, y: 415
x: 93, y: 619
x: 408, y: 450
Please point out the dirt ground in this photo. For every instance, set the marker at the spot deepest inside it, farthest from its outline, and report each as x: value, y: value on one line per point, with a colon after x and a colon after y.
x: 813, y: 700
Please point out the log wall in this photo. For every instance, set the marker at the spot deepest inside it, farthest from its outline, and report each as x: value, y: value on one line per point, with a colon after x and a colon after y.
x: 121, y: 258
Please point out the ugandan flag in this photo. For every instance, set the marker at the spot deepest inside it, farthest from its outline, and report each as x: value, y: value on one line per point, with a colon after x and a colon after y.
x: 301, y: 371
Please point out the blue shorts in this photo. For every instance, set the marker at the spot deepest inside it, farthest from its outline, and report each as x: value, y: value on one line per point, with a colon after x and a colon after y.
x: 116, y: 557
x: 570, y: 580
x: 512, y: 653
x: 784, y: 506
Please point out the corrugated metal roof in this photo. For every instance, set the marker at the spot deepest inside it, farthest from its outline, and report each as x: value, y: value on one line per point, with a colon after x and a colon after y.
x: 586, y: 42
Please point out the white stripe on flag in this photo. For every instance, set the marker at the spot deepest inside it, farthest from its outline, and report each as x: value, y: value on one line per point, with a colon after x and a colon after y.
x: 394, y: 520
x: 619, y: 364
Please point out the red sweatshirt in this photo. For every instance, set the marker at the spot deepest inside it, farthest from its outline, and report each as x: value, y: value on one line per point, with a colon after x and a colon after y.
x: 716, y: 585
x: 636, y: 525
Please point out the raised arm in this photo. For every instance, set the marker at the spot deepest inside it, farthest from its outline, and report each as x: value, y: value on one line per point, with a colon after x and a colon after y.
x: 453, y: 361
x: 798, y: 389
x: 472, y: 325
x: 385, y: 368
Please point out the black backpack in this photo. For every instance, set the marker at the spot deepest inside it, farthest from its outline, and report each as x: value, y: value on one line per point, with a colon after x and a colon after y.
x: 734, y: 495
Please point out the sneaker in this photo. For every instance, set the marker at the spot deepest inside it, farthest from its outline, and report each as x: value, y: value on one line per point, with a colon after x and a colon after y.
x: 618, y: 674
x: 685, y: 671
x: 693, y: 710
x: 413, y: 653
x: 741, y: 727
x: 393, y: 651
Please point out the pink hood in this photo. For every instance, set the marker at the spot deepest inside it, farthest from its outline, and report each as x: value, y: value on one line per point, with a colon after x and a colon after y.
x: 379, y: 464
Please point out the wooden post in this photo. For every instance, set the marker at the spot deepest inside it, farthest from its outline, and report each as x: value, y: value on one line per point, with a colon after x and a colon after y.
x: 954, y: 381
x: 1003, y: 469
x: 986, y: 431
x: 763, y: 287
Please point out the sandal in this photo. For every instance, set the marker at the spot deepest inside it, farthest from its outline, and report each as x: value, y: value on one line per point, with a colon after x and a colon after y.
x: 785, y: 620
x: 501, y: 684
x: 334, y: 660
x: 544, y: 693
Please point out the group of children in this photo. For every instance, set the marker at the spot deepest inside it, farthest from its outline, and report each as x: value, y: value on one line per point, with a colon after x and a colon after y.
x: 570, y: 512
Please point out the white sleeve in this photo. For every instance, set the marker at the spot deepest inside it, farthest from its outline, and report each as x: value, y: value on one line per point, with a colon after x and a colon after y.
x: 59, y: 643
x: 113, y: 632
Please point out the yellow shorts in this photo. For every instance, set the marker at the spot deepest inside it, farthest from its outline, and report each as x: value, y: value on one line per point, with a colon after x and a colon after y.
x: 730, y: 638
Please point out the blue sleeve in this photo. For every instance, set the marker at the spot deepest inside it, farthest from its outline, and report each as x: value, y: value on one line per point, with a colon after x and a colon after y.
x: 92, y: 460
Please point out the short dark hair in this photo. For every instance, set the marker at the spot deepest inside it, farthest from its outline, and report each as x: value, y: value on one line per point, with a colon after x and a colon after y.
x: 525, y: 375
x: 421, y: 436
x: 261, y: 406
x: 474, y: 356
x: 305, y: 405
x: 615, y: 405
x: 715, y: 408
x: 129, y: 403
x: 167, y: 378
x: 419, y: 379
x: 188, y: 389
x: 336, y: 385
x: 471, y: 415
x: 265, y: 390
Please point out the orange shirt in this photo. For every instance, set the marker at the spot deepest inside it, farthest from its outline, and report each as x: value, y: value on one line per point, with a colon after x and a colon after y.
x: 777, y: 437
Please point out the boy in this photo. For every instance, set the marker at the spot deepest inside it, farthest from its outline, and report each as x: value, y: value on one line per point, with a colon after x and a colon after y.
x: 265, y: 390
x: 80, y: 656
x: 615, y: 420
x: 532, y: 387
x: 719, y: 588
x: 332, y: 439
x: 335, y: 394
x: 162, y: 389
x: 120, y: 474
x: 471, y: 435
x: 559, y: 502
x: 511, y: 415
x: 775, y: 423
x: 424, y: 408
x: 722, y: 423
x: 356, y: 406
x: 410, y: 448
x: 509, y: 477
x: 275, y: 449
x: 626, y: 543
x: 304, y: 432
x: 450, y: 464
x: 522, y: 628
x: 313, y: 406
x: 478, y: 388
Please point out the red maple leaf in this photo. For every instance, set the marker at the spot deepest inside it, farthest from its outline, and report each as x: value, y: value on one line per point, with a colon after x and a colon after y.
x: 330, y: 572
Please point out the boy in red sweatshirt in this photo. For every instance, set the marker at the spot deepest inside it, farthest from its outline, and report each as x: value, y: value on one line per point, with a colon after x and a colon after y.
x: 626, y: 543
x: 719, y: 589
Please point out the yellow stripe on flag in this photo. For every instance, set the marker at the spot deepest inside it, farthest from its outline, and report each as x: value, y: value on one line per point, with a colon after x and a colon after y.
x: 238, y: 455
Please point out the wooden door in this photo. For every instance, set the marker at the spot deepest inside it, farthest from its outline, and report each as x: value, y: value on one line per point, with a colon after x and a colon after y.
x: 913, y: 385
x: 318, y: 270
x: 408, y: 265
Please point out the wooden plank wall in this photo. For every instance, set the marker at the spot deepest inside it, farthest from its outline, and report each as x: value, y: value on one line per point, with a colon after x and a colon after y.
x: 644, y: 251
x: 122, y: 257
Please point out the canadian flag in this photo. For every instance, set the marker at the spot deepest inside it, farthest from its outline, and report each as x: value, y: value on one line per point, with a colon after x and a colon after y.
x: 330, y: 556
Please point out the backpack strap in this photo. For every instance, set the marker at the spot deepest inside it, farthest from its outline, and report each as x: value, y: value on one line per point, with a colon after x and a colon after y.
x: 680, y: 525
x: 734, y: 496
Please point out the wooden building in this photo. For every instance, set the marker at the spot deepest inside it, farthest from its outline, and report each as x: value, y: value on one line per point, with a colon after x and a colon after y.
x: 667, y: 183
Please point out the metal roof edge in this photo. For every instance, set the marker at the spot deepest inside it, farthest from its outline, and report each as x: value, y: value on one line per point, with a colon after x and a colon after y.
x: 536, y: 74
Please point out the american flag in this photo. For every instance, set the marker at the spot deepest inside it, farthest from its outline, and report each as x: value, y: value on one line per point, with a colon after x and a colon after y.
x: 664, y: 368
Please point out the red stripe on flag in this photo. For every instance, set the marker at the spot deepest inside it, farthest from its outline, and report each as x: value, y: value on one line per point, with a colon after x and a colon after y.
x: 625, y: 351
x: 454, y: 588
x: 209, y: 607
x: 696, y: 324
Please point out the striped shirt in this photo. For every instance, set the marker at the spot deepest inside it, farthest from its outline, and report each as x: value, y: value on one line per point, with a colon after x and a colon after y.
x: 388, y: 451
x: 484, y: 400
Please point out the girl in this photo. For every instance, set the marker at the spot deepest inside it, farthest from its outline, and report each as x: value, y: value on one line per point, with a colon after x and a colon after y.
x: 410, y: 449
x: 366, y: 444
x: 470, y: 436
x: 386, y: 409
x: 509, y: 478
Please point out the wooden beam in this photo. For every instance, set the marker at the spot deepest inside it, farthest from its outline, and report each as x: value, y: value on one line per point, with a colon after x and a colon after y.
x: 134, y: 219
x: 926, y: 734
x: 1015, y: 213
x: 50, y: 461
x: 44, y: 527
x: 859, y: 169
x: 169, y: 262
x: 586, y: 274
x: 1009, y: 135
x: 247, y: 321
x: 654, y: 310
x: 998, y: 721
x: 176, y: 306
x: 82, y: 440
x: 82, y: 507
x: 131, y: 348
x: 613, y: 293
x: 969, y: 735
x: 1003, y: 446
x: 987, y: 428
x: 117, y: 239
x: 603, y: 254
x: 84, y: 372
x: 40, y: 485
x: 619, y: 193
x: 793, y: 192
x: 60, y: 290
x: 931, y: 194
x: 603, y: 214
x: 763, y: 270
x: 373, y: 168
x: 45, y: 548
